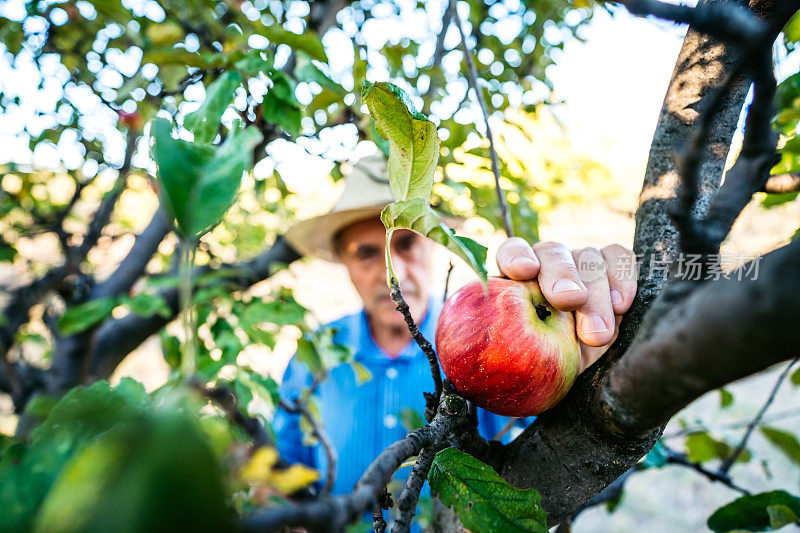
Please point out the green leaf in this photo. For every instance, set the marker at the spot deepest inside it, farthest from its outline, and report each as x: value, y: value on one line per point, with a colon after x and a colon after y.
x: 147, y: 304
x: 78, y: 417
x: 481, y: 499
x: 170, y: 349
x: 7, y: 251
x: 411, y: 419
x: 205, y: 121
x: 199, y: 182
x: 780, y: 515
x: 784, y: 441
x: 725, y: 398
x: 750, y: 513
x: 306, y: 70
x: 413, y: 140
x: 309, y: 41
x: 280, y: 106
x: 773, y: 199
x: 83, y: 316
x: 416, y: 215
x: 795, y: 379
x: 149, y: 474
x: 701, y: 447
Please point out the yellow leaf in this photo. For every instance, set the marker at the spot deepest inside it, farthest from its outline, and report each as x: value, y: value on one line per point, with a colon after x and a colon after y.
x: 293, y: 478
x: 259, y: 468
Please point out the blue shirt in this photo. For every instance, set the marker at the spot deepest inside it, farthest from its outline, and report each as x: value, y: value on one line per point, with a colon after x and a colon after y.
x: 364, y: 419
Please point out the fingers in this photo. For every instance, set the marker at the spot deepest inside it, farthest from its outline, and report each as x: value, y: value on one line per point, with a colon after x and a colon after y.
x: 590, y: 354
x: 516, y: 260
x: 622, y: 276
x: 595, y: 319
x: 558, y: 277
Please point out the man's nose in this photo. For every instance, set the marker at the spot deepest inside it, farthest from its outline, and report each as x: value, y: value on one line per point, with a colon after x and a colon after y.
x: 400, y: 269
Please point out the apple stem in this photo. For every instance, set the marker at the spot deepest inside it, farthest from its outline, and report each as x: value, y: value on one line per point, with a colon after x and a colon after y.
x: 541, y: 311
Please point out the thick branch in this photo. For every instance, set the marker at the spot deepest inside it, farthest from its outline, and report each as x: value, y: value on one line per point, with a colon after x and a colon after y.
x: 132, y: 267
x: 117, y: 338
x: 407, y: 502
x: 721, y: 332
x: 598, y: 455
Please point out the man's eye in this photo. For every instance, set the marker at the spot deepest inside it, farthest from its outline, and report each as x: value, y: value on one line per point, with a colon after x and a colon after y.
x: 406, y: 243
x: 367, y: 254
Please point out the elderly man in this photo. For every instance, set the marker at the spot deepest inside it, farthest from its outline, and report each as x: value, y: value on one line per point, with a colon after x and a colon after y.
x: 363, y: 419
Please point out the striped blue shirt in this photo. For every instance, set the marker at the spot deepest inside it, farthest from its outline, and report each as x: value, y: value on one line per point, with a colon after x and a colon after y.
x: 364, y: 419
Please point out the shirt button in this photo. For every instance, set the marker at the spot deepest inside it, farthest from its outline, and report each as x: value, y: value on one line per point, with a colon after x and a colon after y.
x: 389, y: 421
x: 391, y: 373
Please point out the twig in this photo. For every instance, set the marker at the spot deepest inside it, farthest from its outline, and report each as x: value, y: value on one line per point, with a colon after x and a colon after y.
x: 226, y: 400
x: 734, y: 425
x: 319, y: 432
x: 505, y: 429
x: 472, y: 76
x: 407, y: 503
x: 720, y: 476
x: 432, y: 401
x: 447, y: 281
x: 728, y: 463
x: 438, y: 53
x: 333, y: 512
x: 384, y: 502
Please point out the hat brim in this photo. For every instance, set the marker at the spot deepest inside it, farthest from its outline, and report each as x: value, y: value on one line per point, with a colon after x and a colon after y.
x: 314, y: 236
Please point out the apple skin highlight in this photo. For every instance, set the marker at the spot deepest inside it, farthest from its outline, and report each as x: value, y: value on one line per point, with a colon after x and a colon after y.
x: 500, y: 354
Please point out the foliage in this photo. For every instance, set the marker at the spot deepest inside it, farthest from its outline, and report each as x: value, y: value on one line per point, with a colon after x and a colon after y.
x: 757, y: 512
x: 482, y: 500
x: 414, y: 146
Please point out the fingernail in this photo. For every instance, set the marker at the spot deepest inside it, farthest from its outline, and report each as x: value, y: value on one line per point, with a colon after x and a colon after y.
x: 564, y: 285
x: 616, y: 297
x: 593, y: 324
x: 523, y: 262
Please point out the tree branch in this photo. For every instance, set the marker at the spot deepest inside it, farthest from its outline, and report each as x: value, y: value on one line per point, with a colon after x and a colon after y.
x: 432, y: 401
x: 332, y: 513
x: 720, y: 476
x: 721, y: 332
x: 118, y: 337
x: 599, y: 453
x: 407, y: 502
x: 132, y: 267
x: 226, y: 400
x: 319, y: 432
x: 728, y: 463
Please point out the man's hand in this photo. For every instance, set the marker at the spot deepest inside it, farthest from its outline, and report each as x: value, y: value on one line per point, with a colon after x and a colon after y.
x: 598, y: 285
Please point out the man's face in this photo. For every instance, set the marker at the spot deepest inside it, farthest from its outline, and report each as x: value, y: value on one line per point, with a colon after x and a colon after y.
x: 361, y: 248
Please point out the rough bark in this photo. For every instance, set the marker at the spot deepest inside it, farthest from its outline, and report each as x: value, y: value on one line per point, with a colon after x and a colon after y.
x: 721, y: 332
x: 573, y: 451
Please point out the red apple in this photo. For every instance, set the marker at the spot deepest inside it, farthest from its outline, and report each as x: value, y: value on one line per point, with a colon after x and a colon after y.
x: 510, y: 352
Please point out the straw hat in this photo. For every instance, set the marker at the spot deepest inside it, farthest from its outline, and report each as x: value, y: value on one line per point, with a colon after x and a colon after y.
x: 366, y: 193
